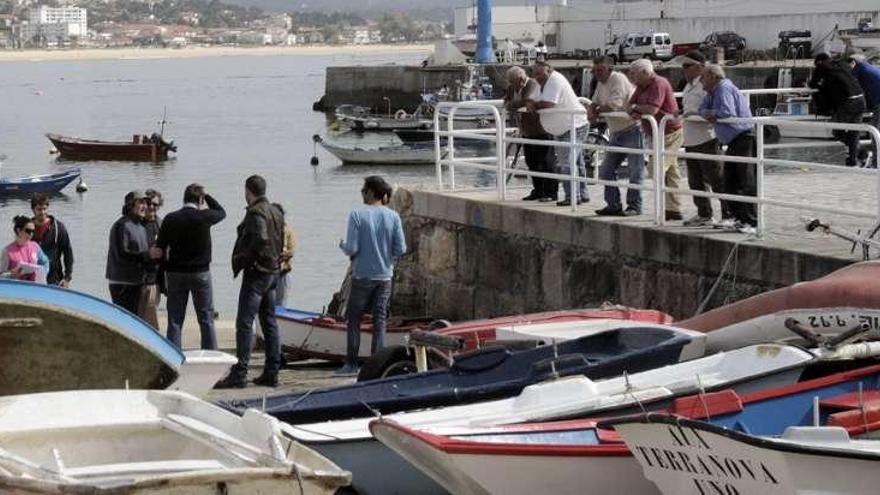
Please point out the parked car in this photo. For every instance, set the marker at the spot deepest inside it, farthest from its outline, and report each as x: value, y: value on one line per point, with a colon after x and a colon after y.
x: 731, y: 42
x: 632, y: 46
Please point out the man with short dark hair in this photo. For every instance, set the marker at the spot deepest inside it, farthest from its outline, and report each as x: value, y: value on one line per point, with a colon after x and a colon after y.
x: 374, y: 239
x: 128, y: 253
x: 842, y: 97
x: 258, y: 253
x: 184, y: 245
x: 53, y: 239
x: 148, y: 308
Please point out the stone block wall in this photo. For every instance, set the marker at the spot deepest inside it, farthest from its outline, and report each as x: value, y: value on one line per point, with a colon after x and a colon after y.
x: 471, y: 259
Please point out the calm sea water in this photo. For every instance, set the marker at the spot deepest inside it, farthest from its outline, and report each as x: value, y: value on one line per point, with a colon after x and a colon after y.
x: 230, y: 117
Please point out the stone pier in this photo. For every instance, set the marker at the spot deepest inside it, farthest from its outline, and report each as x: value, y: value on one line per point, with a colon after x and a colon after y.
x: 472, y: 255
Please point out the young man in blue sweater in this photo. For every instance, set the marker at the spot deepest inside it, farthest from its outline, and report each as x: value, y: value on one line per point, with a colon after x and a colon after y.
x: 373, y: 240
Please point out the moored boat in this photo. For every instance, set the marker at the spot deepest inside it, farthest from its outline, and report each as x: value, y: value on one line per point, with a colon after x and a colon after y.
x: 489, y: 374
x: 572, y: 454
x: 400, y: 154
x: 142, y: 148
x: 45, y: 183
x: 144, y: 442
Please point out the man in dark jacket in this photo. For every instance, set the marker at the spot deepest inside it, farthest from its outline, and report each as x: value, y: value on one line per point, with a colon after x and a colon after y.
x: 128, y: 253
x: 841, y: 95
x: 257, y: 253
x: 52, y: 237
x: 185, y: 246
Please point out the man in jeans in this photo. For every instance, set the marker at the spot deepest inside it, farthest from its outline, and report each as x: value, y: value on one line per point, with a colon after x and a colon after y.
x: 374, y: 238
x: 184, y: 248
x: 557, y: 93
x: 612, y: 94
x: 257, y: 252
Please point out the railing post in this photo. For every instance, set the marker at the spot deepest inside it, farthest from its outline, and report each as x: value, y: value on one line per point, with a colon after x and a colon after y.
x: 759, y: 176
x: 438, y: 152
x: 501, y: 153
x: 658, y: 133
x: 572, y: 163
x: 450, y: 146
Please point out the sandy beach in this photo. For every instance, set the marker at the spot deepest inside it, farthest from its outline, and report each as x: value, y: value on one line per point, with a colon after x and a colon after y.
x: 200, y: 51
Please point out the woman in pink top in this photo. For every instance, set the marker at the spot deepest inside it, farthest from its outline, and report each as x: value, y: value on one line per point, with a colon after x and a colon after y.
x: 22, y: 259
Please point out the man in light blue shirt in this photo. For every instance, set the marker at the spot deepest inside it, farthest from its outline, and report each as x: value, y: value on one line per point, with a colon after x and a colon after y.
x: 724, y: 100
x: 373, y: 240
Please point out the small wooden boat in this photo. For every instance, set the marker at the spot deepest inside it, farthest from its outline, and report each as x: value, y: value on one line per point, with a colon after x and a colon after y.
x: 808, y: 448
x: 572, y: 454
x: 489, y: 374
x: 145, y: 442
x: 60, y: 339
x: 46, y: 183
x: 360, y: 120
x: 305, y: 334
x: 377, y: 469
x: 400, y: 154
x: 141, y: 148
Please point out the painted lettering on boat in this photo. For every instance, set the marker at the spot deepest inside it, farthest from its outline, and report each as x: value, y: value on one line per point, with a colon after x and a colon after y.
x: 712, y: 473
x: 836, y: 320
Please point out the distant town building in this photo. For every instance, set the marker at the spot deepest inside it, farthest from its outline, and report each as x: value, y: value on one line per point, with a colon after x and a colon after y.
x: 52, y: 25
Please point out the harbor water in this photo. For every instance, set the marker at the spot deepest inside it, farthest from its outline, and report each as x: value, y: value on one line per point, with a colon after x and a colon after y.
x: 229, y: 116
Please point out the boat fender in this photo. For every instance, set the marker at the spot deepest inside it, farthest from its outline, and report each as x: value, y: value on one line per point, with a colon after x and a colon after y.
x: 400, y: 114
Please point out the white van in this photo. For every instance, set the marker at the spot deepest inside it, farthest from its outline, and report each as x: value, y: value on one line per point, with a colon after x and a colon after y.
x: 632, y: 46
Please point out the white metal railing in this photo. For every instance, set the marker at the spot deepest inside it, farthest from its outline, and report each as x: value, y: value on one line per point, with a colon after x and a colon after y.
x: 500, y: 136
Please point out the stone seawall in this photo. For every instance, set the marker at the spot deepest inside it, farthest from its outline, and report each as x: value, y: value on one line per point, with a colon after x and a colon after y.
x: 469, y: 258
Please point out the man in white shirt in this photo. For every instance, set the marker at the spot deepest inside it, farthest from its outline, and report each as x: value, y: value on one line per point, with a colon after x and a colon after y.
x: 556, y: 93
x: 613, y: 91
x: 699, y: 137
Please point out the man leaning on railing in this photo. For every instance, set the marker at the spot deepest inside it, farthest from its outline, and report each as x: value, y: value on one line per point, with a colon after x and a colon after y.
x: 654, y: 96
x: 557, y: 93
x: 724, y: 100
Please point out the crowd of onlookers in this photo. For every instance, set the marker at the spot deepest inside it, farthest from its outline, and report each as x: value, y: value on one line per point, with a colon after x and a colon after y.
x: 846, y: 88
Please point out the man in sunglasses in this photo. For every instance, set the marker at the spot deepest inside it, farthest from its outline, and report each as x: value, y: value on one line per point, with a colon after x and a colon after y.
x: 148, y: 307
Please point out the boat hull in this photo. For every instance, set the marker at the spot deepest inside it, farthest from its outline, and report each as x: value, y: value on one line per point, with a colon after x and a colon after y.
x: 49, y: 183
x: 314, y: 335
x: 397, y: 155
x: 83, y: 150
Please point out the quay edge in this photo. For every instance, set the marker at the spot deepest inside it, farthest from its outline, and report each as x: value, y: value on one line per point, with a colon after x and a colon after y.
x: 470, y: 256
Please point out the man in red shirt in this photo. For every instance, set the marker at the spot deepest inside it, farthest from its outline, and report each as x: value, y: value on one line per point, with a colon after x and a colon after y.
x: 654, y: 96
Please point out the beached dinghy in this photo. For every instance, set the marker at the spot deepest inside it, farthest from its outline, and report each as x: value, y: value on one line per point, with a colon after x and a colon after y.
x: 378, y: 470
x: 489, y: 374
x: 145, y: 442
x: 60, y: 339
x: 569, y: 455
x: 306, y: 334
x: 829, y: 305
x: 731, y: 455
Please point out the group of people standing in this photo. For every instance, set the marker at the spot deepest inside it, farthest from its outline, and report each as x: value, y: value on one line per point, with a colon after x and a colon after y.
x: 642, y: 92
x: 41, y: 250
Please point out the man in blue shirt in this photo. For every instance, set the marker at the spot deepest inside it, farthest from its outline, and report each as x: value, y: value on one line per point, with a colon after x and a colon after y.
x: 724, y: 100
x: 373, y: 240
x: 869, y: 79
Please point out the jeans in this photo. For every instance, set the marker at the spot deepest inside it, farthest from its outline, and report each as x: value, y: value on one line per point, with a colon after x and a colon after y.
x: 256, y: 298
x: 126, y: 296
x: 703, y: 173
x: 179, y: 287
x: 364, y: 294
x: 875, y: 121
x: 563, y: 162
x: 740, y: 179
x: 281, y: 289
x: 628, y: 138
x: 542, y: 159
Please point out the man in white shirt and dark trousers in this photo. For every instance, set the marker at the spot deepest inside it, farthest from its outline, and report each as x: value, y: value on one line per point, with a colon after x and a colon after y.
x: 612, y: 94
x: 556, y: 93
x: 699, y: 137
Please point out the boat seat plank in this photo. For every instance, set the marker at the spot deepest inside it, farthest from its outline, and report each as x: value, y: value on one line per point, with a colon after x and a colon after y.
x: 843, y: 402
x: 711, y: 404
x: 133, y: 468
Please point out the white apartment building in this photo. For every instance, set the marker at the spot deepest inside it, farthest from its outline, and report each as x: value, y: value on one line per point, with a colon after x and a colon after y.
x: 72, y: 21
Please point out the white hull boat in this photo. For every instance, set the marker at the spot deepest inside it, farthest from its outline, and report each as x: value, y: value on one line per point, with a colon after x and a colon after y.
x: 403, y: 154
x: 803, y: 461
x: 315, y: 335
x: 138, y: 442
x: 350, y: 444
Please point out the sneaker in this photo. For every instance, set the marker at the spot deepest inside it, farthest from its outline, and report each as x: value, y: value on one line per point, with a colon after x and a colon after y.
x: 532, y: 196
x: 547, y: 199
x: 673, y: 215
x: 725, y: 224
x: 632, y: 212
x: 610, y: 212
x: 347, y: 370
x: 266, y: 380
x: 698, y: 221
x: 744, y: 228
x: 231, y: 382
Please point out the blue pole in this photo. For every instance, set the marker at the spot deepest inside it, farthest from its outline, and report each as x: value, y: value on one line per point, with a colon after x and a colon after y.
x: 485, y: 53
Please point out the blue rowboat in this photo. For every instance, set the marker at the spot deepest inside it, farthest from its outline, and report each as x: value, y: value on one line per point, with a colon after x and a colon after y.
x: 479, y: 460
x: 59, y: 339
x: 489, y: 374
x: 47, y: 183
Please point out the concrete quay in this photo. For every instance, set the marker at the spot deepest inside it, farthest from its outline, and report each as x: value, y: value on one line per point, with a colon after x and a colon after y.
x: 472, y: 255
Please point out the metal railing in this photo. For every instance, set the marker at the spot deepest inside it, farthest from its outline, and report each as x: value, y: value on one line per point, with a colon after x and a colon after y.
x: 501, y: 136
